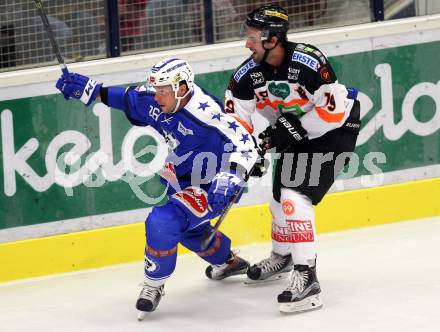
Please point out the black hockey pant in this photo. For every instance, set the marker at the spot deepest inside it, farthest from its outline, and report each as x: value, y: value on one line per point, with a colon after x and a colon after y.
x: 311, y: 168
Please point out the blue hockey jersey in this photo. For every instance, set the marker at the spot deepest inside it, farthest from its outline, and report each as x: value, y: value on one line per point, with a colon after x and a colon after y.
x: 202, y: 138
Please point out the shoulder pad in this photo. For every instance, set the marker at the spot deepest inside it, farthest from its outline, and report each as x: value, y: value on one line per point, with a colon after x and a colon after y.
x: 239, y: 73
x: 312, y: 50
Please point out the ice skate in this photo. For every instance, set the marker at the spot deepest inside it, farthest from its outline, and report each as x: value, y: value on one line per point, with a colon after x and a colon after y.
x: 234, y: 265
x: 149, y: 299
x: 303, y: 291
x: 274, y: 268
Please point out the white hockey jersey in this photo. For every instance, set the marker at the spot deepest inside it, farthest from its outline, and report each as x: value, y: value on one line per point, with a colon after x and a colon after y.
x: 305, y: 84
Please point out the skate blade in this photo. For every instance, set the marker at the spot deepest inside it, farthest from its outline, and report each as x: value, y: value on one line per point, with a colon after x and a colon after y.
x: 274, y: 278
x: 221, y: 277
x: 142, y: 315
x: 311, y: 303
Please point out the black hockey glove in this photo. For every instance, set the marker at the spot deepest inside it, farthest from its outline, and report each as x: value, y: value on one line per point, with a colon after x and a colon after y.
x: 287, y: 131
x: 261, y: 167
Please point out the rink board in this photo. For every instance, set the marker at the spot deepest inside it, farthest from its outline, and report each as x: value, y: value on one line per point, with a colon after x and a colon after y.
x: 40, y: 196
x: 48, y: 227
x: 122, y: 244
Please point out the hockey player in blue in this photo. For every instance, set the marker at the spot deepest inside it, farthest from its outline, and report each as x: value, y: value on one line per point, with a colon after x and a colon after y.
x: 210, y: 154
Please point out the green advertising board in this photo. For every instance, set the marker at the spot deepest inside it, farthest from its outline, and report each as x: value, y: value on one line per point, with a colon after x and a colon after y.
x: 400, y: 97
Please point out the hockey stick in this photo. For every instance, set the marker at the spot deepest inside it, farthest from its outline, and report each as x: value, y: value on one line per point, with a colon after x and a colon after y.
x: 53, y: 42
x: 209, y: 233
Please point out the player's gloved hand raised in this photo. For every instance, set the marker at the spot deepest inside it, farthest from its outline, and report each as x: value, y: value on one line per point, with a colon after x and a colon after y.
x: 287, y: 131
x: 223, y: 187
x: 79, y: 87
x: 261, y: 166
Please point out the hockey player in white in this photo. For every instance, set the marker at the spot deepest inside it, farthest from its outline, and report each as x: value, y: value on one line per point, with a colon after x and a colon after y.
x: 293, y: 85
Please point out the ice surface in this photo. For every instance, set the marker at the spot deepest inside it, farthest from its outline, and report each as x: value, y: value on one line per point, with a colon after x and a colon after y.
x: 384, y: 278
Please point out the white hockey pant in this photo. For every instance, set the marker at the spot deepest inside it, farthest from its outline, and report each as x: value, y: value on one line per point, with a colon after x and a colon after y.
x: 293, y: 227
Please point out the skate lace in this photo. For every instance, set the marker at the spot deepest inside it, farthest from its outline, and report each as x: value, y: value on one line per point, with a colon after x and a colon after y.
x: 150, y: 293
x: 298, y: 281
x: 273, y: 263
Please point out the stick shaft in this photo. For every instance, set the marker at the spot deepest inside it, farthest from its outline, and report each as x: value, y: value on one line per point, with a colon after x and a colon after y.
x: 210, y: 232
x: 53, y: 42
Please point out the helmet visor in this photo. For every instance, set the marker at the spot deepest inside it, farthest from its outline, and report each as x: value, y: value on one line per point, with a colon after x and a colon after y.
x: 252, y: 34
x: 163, y: 90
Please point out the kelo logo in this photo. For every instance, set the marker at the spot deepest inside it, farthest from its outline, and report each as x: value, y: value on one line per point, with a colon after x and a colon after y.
x: 288, y: 207
x: 68, y: 170
x: 393, y: 130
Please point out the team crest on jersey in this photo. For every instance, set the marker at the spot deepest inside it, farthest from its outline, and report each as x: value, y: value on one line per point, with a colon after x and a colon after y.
x: 194, y: 199
x: 306, y: 60
x: 244, y: 69
x: 184, y: 131
x: 280, y: 90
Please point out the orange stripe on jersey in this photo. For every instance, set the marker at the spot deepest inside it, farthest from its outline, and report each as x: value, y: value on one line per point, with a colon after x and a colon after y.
x: 276, y: 103
x: 329, y: 117
x: 242, y: 122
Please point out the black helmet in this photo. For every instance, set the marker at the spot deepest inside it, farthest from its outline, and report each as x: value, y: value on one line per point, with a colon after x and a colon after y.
x: 271, y: 18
